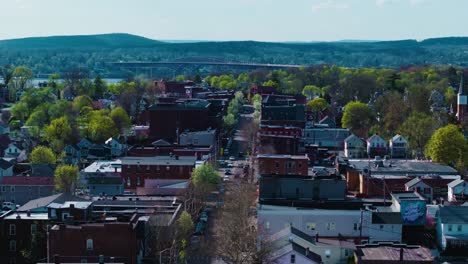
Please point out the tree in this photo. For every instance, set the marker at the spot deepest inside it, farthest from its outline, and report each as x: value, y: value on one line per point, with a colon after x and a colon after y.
x: 42, y: 155
x: 310, y: 91
x: 66, y: 177
x: 357, y: 117
x: 392, y: 110
x: 316, y: 105
x: 448, y: 145
x: 82, y: 101
x: 184, y: 225
x: 229, y: 122
x: 120, y: 118
x: 20, y: 111
x: 99, y: 87
x: 205, y: 174
x: 100, y: 128
x: 21, y: 76
x: 417, y: 129
x: 59, y: 129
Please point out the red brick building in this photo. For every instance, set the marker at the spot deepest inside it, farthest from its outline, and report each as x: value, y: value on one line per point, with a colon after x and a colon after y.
x: 167, y: 119
x: 122, y: 241
x: 282, y: 164
x: 16, y: 233
x: 135, y: 170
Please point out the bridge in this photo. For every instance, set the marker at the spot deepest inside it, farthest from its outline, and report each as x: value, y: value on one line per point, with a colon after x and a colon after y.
x: 188, y: 66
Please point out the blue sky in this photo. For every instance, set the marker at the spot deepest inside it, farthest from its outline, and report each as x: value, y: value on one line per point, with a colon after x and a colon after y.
x: 263, y: 20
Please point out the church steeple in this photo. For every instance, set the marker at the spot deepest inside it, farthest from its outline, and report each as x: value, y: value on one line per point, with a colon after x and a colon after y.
x: 461, y: 90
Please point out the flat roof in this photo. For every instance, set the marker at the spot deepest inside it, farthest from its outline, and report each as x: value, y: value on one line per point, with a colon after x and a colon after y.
x: 25, y: 216
x: 403, y: 167
x: 392, y: 252
x: 78, y: 205
x: 279, y: 156
x: 104, y: 166
x: 160, y: 160
x: 407, y: 196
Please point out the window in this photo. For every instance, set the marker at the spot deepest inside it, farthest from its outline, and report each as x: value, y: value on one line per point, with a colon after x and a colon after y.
x: 128, y: 182
x: 293, y: 258
x: 12, y: 229
x: 276, y: 164
x: 12, y: 245
x: 138, y: 181
x: 3, y: 188
x: 331, y: 226
x: 459, y: 228
x: 33, y: 229
x: 12, y: 188
x: 427, y: 190
x: 355, y: 226
x: 328, y: 253
x: 449, y: 227
x: 89, y: 244
x: 311, y: 226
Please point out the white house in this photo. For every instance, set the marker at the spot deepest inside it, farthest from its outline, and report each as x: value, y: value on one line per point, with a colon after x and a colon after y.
x: 452, y: 228
x: 385, y: 227
x: 457, y: 191
x: 376, y: 146
x: 418, y: 185
x: 12, y: 151
x: 6, y: 168
x: 398, y: 146
x: 117, y: 148
x: 354, y: 147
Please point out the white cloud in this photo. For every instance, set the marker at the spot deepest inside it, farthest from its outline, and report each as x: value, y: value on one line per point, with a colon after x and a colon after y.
x: 330, y: 4
x: 381, y: 3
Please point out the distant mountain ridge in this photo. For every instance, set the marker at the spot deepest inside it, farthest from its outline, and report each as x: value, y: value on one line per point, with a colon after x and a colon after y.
x: 114, y: 40
x: 54, y: 54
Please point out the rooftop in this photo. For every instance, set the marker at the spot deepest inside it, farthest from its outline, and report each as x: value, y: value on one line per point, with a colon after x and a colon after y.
x: 45, y: 201
x: 27, y: 180
x: 391, y: 252
x: 104, y: 166
x: 25, y: 216
x: 399, y: 196
x: 160, y: 160
x: 403, y: 167
x: 279, y: 156
x: 68, y: 204
x: 386, y: 218
x: 454, y: 214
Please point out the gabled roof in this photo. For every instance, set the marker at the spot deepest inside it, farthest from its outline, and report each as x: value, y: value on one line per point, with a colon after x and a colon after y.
x: 412, y: 182
x: 45, y: 201
x: 4, y: 164
x: 352, y: 136
x: 396, y: 137
x: 455, y: 183
x: 161, y: 142
x: 454, y: 214
x: 375, y: 136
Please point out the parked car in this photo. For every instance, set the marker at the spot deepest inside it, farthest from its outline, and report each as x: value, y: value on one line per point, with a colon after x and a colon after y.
x: 9, y: 206
x: 200, y: 228
x: 232, y: 158
x: 204, y: 217
x: 226, y: 178
x: 228, y: 172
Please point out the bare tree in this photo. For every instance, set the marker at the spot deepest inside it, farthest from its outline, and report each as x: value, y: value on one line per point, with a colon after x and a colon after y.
x: 240, y: 240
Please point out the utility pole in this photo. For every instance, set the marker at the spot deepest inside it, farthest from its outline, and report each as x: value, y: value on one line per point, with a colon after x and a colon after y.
x: 360, y: 228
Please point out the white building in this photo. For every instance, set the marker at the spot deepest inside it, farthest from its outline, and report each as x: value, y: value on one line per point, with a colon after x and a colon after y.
x: 354, y: 147
x: 398, y: 146
x: 457, y: 191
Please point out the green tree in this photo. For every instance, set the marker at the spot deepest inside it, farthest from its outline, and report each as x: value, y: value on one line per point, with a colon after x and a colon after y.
x: 357, y: 117
x: 100, y: 128
x: 205, y: 174
x: 417, y: 129
x: 184, y: 225
x: 311, y: 91
x: 59, y: 129
x: 229, y: 122
x: 21, y: 76
x: 38, y: 118
x: 66, y: 178
x: 448, y: 145
x: 82, y: 101
x: 20, y: 111
x: 99, y: 87
x: 42, y: 155
x: 316, y: 105
x: 120, y: 118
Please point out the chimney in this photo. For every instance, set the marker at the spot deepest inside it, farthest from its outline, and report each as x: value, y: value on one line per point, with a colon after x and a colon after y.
x: 115, y: 169
x: 28, y: 213
x: 317, y: 237
x: 401, y: 254
x: 72, y: 206
x: 307, y: 252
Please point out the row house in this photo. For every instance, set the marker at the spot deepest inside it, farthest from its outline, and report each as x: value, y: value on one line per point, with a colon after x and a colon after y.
x: 457, y: 191
x: 452, y: 230
x: 21, y: 189
x: 283, y: 164
x: 135, y: 170
x: 429, y: 187
x: 356, y: 148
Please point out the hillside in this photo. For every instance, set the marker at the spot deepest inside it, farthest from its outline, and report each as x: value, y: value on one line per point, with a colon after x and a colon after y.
x: 57, y: 54
x: 117, y: 40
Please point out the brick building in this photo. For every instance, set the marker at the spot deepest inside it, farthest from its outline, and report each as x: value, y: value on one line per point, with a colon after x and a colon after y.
x: 282, y: 164
x: 168, y: 119
x: 136, y: 169
x: 123, y: 241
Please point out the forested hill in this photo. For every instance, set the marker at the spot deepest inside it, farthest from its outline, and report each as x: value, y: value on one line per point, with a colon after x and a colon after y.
x: 57, y: 54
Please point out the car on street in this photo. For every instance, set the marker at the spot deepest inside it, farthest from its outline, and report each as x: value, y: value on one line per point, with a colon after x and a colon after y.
x: 228, y: 172
x: 226, y: 178
x: 232, y: 158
